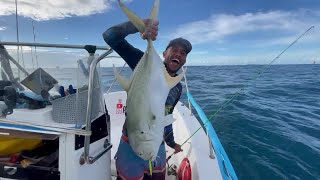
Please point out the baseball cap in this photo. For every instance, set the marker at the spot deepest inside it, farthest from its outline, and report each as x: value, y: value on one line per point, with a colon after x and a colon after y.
x: 181, y: 41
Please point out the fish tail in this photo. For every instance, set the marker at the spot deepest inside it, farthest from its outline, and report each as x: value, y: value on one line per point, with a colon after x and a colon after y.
x: 136, y: 20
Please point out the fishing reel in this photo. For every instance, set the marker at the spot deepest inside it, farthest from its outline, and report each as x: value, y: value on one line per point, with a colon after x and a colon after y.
x: 172, y: 170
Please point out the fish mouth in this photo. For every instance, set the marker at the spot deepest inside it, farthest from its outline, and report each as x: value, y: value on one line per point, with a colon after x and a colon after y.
x: 176, y: 61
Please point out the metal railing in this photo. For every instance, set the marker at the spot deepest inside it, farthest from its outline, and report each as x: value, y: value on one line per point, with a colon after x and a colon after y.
x: 225, y: 165
x: 187, y: 87
x: 211, y: 150
x: 69, y: 46
x: 86, y: 156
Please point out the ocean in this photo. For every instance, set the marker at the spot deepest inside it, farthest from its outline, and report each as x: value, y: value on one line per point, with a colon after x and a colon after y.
x: 272, y: 129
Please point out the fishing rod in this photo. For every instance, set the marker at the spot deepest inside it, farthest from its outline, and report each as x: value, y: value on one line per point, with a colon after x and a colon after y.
x: 228, y: 102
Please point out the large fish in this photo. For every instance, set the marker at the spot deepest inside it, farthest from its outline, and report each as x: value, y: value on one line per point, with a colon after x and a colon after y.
x: 147, y: 92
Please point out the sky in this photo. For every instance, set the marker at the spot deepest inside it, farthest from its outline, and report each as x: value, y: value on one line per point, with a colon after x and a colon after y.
x: 222, y: 32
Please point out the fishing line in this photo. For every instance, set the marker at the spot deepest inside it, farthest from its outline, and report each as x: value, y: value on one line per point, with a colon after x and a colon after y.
x: 228, y: 102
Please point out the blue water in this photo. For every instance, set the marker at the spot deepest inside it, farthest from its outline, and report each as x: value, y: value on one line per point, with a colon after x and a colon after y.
x: 272, y: 129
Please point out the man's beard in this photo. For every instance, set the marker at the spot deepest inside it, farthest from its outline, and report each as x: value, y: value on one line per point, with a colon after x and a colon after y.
x: 168, y: 69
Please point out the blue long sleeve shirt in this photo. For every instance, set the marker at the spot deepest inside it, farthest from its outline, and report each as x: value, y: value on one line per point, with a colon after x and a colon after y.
x: 115, y: 38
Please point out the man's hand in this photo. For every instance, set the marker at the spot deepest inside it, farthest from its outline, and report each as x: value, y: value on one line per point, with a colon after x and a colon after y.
x: 151, y: 29
x: 177, y: 148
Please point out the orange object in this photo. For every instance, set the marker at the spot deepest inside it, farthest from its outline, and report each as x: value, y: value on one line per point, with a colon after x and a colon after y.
x: 184, y: 171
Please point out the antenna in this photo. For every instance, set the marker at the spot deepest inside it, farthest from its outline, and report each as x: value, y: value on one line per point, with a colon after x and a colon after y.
x: 34, y: 40
x: 17, y: 27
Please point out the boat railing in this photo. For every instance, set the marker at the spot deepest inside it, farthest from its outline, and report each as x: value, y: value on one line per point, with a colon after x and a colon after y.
x: 92, y: 71
x: 211, y: 155
x: 187, y: 88
x: 225, y: 165
x: 91, y: 50
x: 68, y: 46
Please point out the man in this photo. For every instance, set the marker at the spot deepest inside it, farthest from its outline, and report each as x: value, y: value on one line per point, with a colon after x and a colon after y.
x: 128, y: 164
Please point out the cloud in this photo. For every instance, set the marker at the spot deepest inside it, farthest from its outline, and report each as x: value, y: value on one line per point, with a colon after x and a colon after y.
x: 221, y: 49
x: 296, y: 56
x: 253, y: 38
x: 2, y: 28
x: 124, y: 1
x: 54, y: 9
x: 199, y: 52
x: 313, y: 36
x: 219, y: 27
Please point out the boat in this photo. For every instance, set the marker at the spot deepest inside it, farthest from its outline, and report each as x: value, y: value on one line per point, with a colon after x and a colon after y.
x: 80, y: 130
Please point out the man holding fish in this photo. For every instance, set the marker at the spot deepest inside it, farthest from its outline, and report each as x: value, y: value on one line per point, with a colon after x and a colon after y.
x: 136, y: 145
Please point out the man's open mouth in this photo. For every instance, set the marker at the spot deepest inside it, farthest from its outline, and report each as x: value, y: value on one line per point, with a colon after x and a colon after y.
x: 176, y: 61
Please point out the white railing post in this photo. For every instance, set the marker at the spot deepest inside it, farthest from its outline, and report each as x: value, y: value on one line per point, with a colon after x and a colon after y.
x: 186, y: 82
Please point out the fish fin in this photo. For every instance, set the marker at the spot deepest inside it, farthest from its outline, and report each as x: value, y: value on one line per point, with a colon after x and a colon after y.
x: 172, y: 81
x: 168, y: 119
x: 125, y: 84
x: 136, y: 20
x: 155, y: 10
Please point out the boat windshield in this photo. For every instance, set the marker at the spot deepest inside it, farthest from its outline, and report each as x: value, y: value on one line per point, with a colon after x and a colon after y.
x: 44, y: 69
x: 34, y: 78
